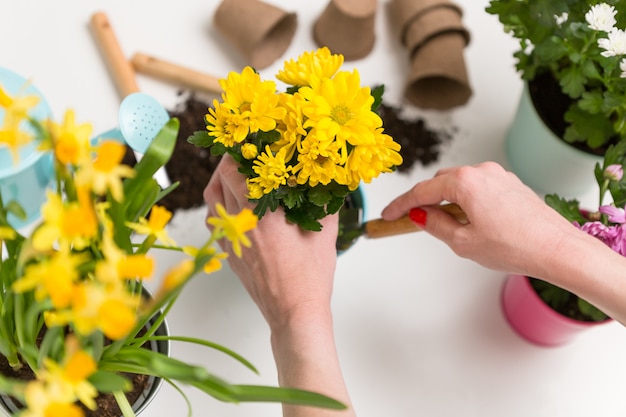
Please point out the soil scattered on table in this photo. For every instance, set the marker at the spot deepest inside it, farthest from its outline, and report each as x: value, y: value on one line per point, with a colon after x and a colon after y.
x: 192, y: 166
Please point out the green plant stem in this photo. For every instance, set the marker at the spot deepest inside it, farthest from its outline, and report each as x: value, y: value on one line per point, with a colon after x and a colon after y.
x: 123, y: 403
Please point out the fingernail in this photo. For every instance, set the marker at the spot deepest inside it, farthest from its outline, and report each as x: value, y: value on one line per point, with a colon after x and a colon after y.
x: 418, y: 216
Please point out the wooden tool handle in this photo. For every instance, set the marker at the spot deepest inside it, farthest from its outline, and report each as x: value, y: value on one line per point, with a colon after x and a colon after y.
x: 175, y: 73
x: 382, y: 228
x: 121, y: 70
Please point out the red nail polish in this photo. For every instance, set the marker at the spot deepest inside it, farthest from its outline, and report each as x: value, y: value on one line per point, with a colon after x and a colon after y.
x: 418, y: 216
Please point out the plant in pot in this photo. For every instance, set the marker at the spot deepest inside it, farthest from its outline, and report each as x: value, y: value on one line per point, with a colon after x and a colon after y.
x: 572, y: 59
x: 560, y: 314
x: 76, y: 324
x: 307, y: 148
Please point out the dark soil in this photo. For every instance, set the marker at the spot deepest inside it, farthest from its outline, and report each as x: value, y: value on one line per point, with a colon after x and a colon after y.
x: 192, y: 166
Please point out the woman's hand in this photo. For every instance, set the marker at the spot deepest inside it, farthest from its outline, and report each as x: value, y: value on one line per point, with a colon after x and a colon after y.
x: 286, y: 268
x: 510, y: 229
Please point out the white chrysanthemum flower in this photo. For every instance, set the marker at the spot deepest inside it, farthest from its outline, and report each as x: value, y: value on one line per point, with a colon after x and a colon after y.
x: 601, y: 17
x: 615, y: 44
x: 622, y: 66
x: 560, y: 19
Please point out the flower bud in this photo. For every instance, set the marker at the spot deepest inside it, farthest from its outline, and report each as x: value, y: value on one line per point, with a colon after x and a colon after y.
x: 292, y: 181
x: 614, y: 172
x: 249, y: 150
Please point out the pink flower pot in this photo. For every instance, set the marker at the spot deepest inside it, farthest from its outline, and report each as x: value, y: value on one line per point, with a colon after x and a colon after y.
x: 533, y: 319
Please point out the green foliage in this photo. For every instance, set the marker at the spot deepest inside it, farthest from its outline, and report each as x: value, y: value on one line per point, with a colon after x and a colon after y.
x: 569, y: 51
x: 557, y: 297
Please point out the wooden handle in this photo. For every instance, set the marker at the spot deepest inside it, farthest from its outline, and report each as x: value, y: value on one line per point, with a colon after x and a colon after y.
x: 174, y: 73
x: 121, y: 70
x: 382, y: 228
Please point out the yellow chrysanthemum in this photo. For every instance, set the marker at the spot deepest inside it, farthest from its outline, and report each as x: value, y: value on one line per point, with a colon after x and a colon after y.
x: 221, y: 126
x: 340, y: 109
x: 291, y: 127
x: 317, y: 161
x: 155, y: 225
x: 310, y: 66
x: 234, y: 227
x: 106, y: 171
x: 71, y: 141
x: 368, y: 161
x: 252, y: 103
x: 271, y: 169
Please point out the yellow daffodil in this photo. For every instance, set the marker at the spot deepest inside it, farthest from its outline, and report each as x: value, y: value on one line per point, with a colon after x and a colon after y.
x: 117, y: 266
x: 44, y: 402
x: 54, y: 278
x: 234, y: 227
x: 214, y: 264
x: 155, y: 225
x: 70, y: 224
x: 106, y: 172
x: 71, y: 142
x: 13, y: 137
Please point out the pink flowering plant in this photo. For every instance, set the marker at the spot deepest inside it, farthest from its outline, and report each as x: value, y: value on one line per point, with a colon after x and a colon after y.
x: 582, y: 45
x: 607, y: 223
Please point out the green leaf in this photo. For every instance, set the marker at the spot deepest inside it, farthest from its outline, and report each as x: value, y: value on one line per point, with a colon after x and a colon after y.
x: 255, y: 393
x: 109, y: 381
x: 201, y: 138
x: 377, y: 93
x: 570, y: 209
x: 591, y: 311
x: 572, y: 81
x: 319, y: 195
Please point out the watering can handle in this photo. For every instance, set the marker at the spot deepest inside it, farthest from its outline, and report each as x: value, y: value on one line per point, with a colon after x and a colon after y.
x: 382, y: 228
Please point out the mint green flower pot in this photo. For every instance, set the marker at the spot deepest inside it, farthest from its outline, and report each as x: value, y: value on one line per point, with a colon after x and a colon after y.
x: 542, y: 160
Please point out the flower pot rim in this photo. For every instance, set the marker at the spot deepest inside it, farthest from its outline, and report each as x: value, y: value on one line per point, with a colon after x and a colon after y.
x: 546, y: 307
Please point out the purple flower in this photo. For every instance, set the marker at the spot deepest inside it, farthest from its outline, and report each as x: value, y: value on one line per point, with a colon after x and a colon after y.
x: 612, y: 236
x: 616, y: 215
x: 614, y: 172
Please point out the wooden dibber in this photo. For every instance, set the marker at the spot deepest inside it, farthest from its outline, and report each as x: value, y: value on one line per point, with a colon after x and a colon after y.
x: 119, y: 67
x: 383, y: 228
x: 174, y: 73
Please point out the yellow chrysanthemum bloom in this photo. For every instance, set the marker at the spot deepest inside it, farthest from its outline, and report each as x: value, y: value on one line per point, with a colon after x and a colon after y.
x: 271, y: 169
x: 106, y: 171
x: 234, y: 227
x: 368, y: 161
x: 310, y: 66
x: 340, y: 109
x: 317, y: 161
x: 255, y: 191
x: 71, y: 141
x: 291, y: 126
x: 221, y: 126
x: 252, y: 102
x: 155, y: 225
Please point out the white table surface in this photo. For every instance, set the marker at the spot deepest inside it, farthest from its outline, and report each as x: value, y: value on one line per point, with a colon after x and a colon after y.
x: 419, y: 330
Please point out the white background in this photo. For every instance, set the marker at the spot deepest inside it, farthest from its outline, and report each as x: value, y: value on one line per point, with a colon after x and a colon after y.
x: 419, y: 330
